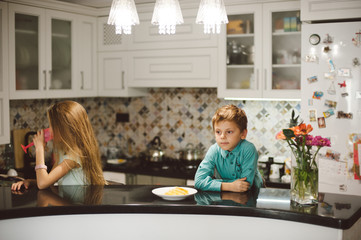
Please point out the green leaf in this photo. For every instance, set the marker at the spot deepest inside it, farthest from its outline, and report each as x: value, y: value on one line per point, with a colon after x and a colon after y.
x: 288, y: 133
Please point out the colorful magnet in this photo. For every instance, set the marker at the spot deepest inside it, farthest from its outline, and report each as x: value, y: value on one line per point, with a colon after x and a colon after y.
x: 321, y: 122
x: 332, y: 90
x: 312, y: 79
x: 330, y: 104
x: 356, y: 62
x: 357, y: 39
x: 331, y: 65
x: 310, y: 102
x: 311, y: 58
x: 342, y: 84
x: 326, y: 49
x: 317, y: 95
x: 341, y: 114
x: 329, y: 75
x: 344, y: 72
x: 330, y: 154
x: 328, y: 113
x: 314, y: 39
x: 345, y: 94
x: 312, y: 114
x: 328, y: 39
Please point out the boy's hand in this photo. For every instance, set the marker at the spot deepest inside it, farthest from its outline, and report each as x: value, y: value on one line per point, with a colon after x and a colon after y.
x: 240, y: 185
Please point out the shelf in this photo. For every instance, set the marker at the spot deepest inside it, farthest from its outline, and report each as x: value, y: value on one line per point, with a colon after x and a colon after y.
x: 24, y: 31
x: 243, y: 35
x: 286, y: 33
x: 286, y: 65
x: 240, y: 66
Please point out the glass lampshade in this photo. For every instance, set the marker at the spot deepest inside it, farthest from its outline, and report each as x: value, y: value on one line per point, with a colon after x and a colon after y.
x: 167, y: 14
x: 212, y: 13
x: 123, y: 14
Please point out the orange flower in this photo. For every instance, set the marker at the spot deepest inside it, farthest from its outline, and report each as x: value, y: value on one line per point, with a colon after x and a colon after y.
x: 280, y: 136
x: 302, y: 129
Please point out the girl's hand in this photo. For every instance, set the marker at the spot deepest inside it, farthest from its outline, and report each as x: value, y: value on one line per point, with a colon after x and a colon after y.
x: 39, y: 141
x: 17, y: 186
x: 240, y: 185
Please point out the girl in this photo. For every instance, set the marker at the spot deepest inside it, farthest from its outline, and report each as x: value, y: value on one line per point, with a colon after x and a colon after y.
x: 77, y: 157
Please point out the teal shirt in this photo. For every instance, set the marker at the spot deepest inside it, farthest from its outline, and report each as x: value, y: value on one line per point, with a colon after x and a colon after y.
x: 75, y: 176
x: 223, y: 166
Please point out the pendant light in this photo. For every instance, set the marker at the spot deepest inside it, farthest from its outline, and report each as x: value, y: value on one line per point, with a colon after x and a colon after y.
x: 123, y: 14
x: 167, y: 14
x: 212, y: 13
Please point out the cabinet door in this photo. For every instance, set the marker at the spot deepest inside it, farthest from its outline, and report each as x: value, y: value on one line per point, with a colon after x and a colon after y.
x: 173, y: 68
x: 4, y: 93
x: 241, y: 53
x: 112, y: 76
x: 107, y: 39
x: 27, y: 70
x: 282, y: 50
x: 86, y: 57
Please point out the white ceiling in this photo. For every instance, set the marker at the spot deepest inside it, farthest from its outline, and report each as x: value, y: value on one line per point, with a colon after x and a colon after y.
x: 101, y: 3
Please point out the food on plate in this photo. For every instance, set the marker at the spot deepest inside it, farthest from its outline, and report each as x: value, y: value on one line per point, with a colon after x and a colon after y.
x: 177, y: 191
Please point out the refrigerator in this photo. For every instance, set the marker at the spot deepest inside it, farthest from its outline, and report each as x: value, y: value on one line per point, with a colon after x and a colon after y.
x: 331, y: 100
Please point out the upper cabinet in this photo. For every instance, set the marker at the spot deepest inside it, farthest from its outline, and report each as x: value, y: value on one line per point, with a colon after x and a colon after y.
x: 261, y: 51
x: 4, y: 90
x: 52, y: 53
x: 321, y: 10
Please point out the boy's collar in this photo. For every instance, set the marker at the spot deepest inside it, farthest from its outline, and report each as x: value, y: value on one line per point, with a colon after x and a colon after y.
x: 236, y: 150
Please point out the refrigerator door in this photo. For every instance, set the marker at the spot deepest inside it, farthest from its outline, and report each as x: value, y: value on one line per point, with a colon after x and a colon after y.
x: 331, y: 97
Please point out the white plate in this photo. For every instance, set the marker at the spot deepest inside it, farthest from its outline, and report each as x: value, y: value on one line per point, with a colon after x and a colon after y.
x: 116, y: 161
x: 161, y: 193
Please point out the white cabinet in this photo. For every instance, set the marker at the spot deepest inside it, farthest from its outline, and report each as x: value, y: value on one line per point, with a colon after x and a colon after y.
x: 321, y: 10
x: 4, y: 88
x: 261, y: 52
x: 52, y: 53
x: 115, y: 177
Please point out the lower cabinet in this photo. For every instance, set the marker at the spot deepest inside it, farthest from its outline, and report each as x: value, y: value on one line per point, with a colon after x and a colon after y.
x: 140, y: 179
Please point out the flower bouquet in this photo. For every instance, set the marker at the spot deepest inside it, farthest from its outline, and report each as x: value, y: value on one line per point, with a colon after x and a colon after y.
x: 304, y: 147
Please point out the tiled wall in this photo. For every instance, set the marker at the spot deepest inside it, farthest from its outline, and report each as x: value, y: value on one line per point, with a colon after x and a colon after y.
x: 178, y: 116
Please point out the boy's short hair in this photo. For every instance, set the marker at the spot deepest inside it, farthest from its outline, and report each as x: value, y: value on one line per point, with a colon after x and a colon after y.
x: 231, y: 113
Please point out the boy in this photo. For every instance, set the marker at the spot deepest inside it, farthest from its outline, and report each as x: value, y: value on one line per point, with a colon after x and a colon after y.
x: 231, y: 163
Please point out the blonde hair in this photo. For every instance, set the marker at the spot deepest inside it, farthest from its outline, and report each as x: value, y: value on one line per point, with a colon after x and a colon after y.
x: 231, y: 113
x: 74, y: 135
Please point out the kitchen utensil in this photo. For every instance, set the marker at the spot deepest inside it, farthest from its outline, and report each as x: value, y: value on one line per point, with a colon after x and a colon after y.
x: 19, y: 138
x: 47, y: 135
x: 190, y: 153
x: 155, y: 153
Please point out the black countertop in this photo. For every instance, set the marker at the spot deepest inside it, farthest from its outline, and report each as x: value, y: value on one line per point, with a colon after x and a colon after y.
x: 334, y: 210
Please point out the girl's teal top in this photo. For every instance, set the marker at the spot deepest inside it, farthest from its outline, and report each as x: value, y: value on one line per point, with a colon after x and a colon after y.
x: 75, y: 176
x: 223, y: 166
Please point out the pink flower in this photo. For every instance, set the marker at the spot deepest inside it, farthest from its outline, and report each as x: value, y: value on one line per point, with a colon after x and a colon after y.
x: 320, y: 141
x: 309, y: 140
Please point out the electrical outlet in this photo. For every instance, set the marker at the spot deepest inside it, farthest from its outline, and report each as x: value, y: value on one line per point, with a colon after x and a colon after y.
x: 122, y: 117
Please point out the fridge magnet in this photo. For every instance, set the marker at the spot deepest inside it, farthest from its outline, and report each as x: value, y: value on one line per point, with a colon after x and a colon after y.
x: 317, y: 95
x: 312, y: 79
x: 333, y: 155
x: 331, y: 65
x: 341, y: 114
x: 330, y: 104
x: 329, y: 75
x: 332, y: 89
x: 357, y: 159
x: 321, y: 122
x: 342, y: 85
x: 312, y: 113
x: 357, y: 39
x: 344, y: 72
x: 328, y: 113
x: 310, y: 102
x: 311, y: 58
x: 344, y: 94
x: 326, y: 49
x: 356, y: 62
x: 314, y: 39
x: 328, y: 39
x: 343, y: 187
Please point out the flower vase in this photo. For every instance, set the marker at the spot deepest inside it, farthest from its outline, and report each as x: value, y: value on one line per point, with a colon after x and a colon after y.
x: 304, y: 184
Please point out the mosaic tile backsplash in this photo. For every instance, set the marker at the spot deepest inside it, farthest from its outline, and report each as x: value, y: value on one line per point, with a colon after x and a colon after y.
x: 177, y: 116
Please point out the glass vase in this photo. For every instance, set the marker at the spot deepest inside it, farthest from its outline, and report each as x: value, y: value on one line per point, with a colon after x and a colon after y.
x: 304, y: 185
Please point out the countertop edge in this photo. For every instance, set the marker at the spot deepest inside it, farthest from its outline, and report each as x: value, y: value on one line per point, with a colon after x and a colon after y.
x: 180, y: 209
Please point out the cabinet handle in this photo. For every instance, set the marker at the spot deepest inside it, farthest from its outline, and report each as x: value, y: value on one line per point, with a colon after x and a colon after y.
x: 44, y: 72
x: 82, y: 80
x: 122, y: 79
x: 265, y: 79
x: 257, y: 78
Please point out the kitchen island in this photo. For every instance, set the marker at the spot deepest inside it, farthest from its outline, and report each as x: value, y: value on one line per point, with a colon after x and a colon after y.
x: 134, y: 212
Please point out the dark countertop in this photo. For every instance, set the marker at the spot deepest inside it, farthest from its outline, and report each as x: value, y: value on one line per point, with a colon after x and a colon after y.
x: 334, y: 210
x: 171, y: 169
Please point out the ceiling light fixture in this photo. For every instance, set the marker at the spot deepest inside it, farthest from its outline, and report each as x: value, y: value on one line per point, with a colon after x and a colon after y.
x: 123, y: 14
x: 167, y: 14
x: 212, y: 13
